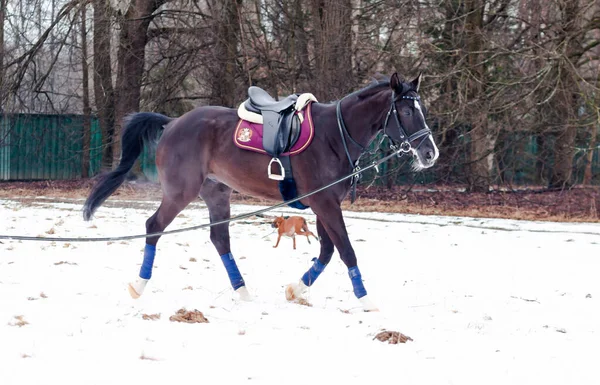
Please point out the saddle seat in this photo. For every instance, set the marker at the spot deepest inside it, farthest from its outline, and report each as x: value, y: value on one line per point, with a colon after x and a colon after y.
x: 250, y: 109
x: 259, y: 100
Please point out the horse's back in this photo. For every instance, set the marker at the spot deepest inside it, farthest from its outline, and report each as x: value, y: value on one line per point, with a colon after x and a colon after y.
x: 204, y: 118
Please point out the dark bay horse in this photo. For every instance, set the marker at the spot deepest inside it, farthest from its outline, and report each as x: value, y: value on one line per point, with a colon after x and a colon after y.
x: 196, y: 156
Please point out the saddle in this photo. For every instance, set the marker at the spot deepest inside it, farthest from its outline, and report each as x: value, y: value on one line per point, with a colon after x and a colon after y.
x: 281, y: 120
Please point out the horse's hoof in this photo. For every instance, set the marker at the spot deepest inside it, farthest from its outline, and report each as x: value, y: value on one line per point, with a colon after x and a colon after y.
x: 289, y: 293
x: 244, y: 294
x: 134, y: 294
x: 368, y: 306
x: 295, y: 291
x: 136, y: 289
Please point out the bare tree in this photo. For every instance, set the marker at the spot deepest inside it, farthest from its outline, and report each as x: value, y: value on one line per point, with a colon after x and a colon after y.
x: 223, y: 67
x: 2, y: 18
x: 593, y: 130
x: 87, y: 111
x: 565, y: 99
x: 512, y: 86
x: 332, y: 25
x: 104, y: 95
x: 133, y: 37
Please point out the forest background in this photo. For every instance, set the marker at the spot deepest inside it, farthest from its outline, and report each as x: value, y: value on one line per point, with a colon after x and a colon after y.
x: 512, y: 86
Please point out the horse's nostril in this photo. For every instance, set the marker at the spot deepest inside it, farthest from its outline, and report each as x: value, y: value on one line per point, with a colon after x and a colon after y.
x: 429, y: 155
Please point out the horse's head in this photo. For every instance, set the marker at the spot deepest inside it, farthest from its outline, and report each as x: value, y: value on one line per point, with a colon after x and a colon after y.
x: 407, y: 127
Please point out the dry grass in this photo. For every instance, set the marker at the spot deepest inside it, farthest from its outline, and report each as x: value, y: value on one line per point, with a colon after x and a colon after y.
x: 194, y: 316
x: 148, y: 358
x: 151, y: 317
x: 580, y: 204
x: 392, y: 337
x: 303, y: 302
x: 19, y: 321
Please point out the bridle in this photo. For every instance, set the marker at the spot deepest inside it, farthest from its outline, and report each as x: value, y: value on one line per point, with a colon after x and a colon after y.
x: 405, y: 145
x: 405, y: 139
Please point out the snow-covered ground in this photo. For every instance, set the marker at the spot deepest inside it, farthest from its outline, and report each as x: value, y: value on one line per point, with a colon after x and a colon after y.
x: 485, y: 301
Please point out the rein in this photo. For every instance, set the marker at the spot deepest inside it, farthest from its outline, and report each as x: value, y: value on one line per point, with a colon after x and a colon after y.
x: 404, y: 146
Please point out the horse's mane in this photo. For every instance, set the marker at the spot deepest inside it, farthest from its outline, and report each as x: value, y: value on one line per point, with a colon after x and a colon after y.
x: 379, y: 82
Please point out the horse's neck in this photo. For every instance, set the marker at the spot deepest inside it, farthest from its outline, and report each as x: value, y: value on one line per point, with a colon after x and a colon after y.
x: 364, y: 118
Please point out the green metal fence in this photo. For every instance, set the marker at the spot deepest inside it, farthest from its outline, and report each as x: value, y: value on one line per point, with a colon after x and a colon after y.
x: 38, y: 146
x: 47, y: 146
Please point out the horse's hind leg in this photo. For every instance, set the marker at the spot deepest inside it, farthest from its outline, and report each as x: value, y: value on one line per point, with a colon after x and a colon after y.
x: 167, y: 211
x: 216, y: 196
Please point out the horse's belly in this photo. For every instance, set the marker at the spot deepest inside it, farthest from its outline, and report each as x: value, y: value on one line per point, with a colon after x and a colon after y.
x: 248, y: 184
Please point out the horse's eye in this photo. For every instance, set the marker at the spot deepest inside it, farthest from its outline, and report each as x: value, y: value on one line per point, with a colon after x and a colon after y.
x: 407, y: 112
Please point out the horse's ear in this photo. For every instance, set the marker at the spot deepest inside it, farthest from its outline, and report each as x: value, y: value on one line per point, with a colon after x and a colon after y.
x: 395, y: 83
x: 417, y: 82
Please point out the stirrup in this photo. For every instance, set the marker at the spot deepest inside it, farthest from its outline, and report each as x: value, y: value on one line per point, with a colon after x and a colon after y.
x: 276, y: 176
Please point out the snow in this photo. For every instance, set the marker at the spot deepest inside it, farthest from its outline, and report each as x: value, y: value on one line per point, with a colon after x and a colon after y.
x: 485, y: 300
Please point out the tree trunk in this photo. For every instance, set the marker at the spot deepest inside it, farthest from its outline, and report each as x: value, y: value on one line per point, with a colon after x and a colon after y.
x: 481, y: 139
x: 540, y: 160
x: 87, y: 113
x: 103, y: 87
x: 566, y: 99
x: 301, y: 56
x: 130, y: 66
x: 587, y: 174
x: 563, y: 155
x: 2, y: 85
x: 224, y: 71
x: 333, y: 49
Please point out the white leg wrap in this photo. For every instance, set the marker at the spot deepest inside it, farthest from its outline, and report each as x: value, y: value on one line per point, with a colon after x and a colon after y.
x: 367, y: 304
x: 136, y: 289
x: 244, y: 294
x: 294, y: 291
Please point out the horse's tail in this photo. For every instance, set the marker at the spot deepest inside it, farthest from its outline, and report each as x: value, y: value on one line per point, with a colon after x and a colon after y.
x: 138, y: 129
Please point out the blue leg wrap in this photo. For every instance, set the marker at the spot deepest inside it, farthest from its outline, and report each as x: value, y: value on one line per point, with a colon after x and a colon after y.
x: 313, y: 273
x: 232, y: 271
x: 146, y: 269
x: 357, y: 284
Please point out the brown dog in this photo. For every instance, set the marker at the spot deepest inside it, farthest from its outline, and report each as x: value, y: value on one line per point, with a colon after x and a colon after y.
x: 290, y: 227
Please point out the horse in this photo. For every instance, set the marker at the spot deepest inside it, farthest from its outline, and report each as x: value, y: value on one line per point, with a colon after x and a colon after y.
x: 196, y: 156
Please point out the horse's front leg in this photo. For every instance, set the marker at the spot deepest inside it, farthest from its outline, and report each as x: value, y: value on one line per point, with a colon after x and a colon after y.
x: 295, y: 291
x: 332, y: 230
